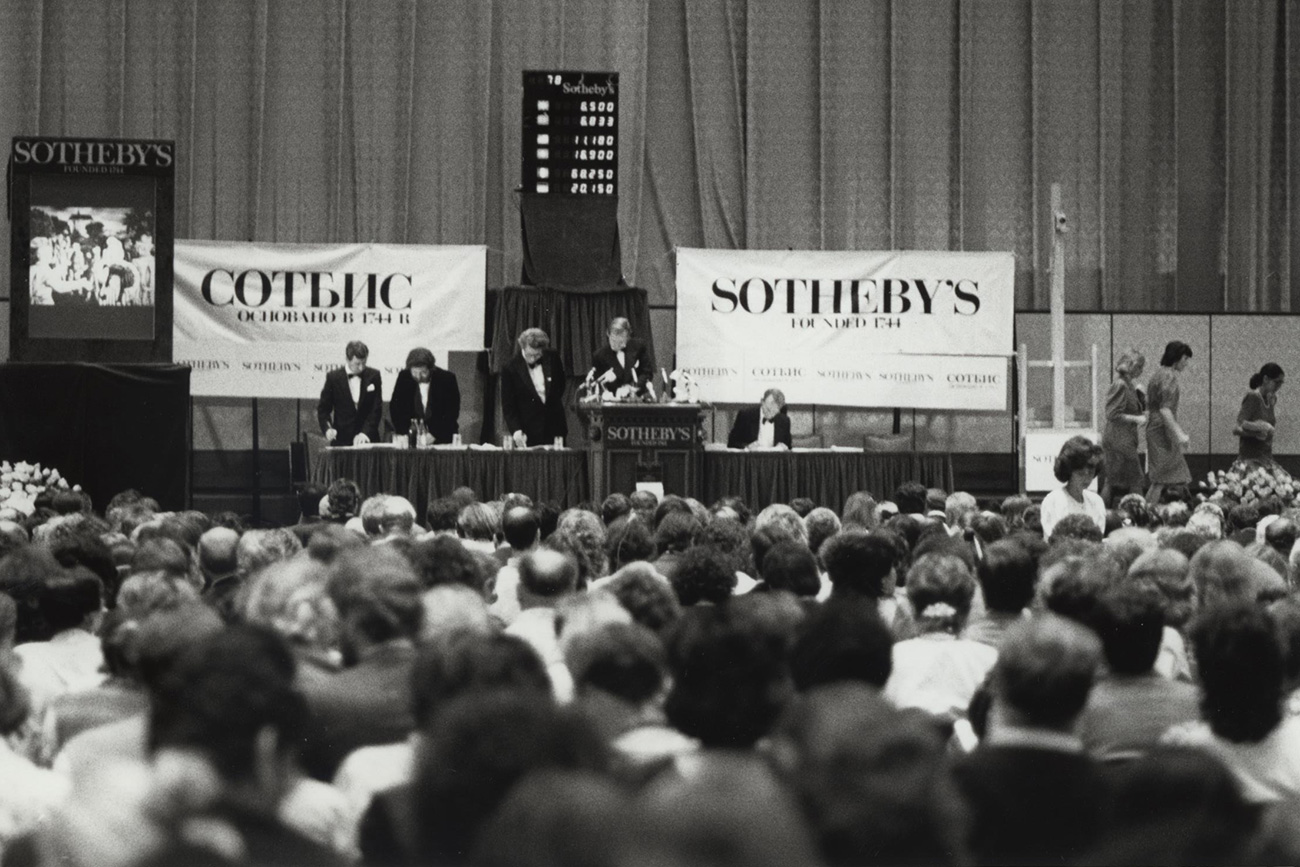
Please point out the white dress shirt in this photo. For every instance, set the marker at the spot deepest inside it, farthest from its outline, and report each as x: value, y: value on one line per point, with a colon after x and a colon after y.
x: 354, y: 386
x: 766, y: 432
x: 539, y: 380
x: 424, y: 396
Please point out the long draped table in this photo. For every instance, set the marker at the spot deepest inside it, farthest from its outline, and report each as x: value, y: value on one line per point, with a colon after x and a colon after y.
x: 761, y: 478
x: 425, y: 475
x: 824, y: 476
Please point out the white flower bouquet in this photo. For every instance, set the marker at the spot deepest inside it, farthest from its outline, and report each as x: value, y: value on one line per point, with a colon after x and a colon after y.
x: 1251, y: 483
x: 21, y: 483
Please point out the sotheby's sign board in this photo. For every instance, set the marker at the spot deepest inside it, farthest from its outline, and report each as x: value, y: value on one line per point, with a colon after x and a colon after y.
x: 925, y: 330
x: 269, y: 320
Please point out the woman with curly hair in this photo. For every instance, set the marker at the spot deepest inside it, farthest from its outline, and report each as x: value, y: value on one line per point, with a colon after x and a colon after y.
x: 1076, y: 466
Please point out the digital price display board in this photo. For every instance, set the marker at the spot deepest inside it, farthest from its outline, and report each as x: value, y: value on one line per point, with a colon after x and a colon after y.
x: 570, y: 133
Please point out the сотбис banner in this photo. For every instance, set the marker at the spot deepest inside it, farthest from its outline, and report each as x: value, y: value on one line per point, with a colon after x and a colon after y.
x: 926, y: 330
x: 268, y: 320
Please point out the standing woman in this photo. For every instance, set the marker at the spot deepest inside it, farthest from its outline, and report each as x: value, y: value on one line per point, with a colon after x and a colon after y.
x: 1125, y: 413
x: 1256, y: 421
x: 1166, y: 440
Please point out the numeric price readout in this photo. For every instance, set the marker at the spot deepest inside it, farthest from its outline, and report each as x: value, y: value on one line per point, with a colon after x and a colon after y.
x: 570, y: 133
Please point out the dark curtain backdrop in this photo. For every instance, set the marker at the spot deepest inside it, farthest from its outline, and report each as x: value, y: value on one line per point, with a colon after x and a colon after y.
x: 874, y: 124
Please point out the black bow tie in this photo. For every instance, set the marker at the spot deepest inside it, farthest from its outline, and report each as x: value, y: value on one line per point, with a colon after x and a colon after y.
x: 534, y: 365
x: 354, y: 376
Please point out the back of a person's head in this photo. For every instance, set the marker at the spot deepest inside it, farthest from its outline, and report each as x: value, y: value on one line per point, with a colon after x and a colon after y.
x: 164, y: 635
x: 733, y: 539
x: 377, y: 593
x: 547, y: 573
x: 290, y: 596
x: 87, y: 548
x: 622, y: 659
x: 872, y: 780
x: 615, y: 506
x: 1280, y: 534
x: 647, y: 596
x: 258, y: 549
x: 1072, y: 585
x: 519, y: 527
x: 1130, y: 622
x: 911, y: 498
x: 1045, y: 670
x: 789, y: 565
x: 442, y: 559
x: 1007, y: 577
x: 581, y: 534
x: 475, y: 751
x: 23, y: 572
x: 478, y: 522
x: 988, y: 527
x: 217, y: 553
x: 1221, y: 572
x: 730, y: 677
x: 704, y: 574
x: 677, y: 531
x: 627, y: 540
x: 161, y: 553
x: 558, y: 818
x: 784, y: 519
x: 67, y: 600
x: 1241, y: 667
x: 843, y: 639
x: 223, y: 693
x: 698, y: 820
x: 940, y: 588
x: 464, y: 661
x: 959, y: 508
x: 1075, y: 527
x: 859, y: 562
x: 821, y: 523
x: 1130, y: 543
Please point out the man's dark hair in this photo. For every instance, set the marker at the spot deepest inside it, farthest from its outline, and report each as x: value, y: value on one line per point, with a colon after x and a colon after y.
x: 628, y: 540
x: 1045, y: 670
x: 465, y: 661
x: 1130, y: 621
x: 843, y: 640
x: 1007, y: 576
x: 1280, y: 534
x: 519, y: 527
x: 479, y: 747
x: 789, y: 565
x: 615, y: 506
x: 344, y: 498
x: 442, y: 560
x: 859, y: 562
x: 222, y: 693
x: 420, y: 357
x: 911, y: 498
x: 376, y: 590
x: 309, y: 497
x: 802, y: 506
x: 23, y: 572
x: 91, y: 551
x: 1241, y: 667
x: 730, y: 678
x: 704, y: 574
x: 677, y: 531
x: 442, y: 513
x: 671, y: 505
x: 1243, y: 516
x: 356, y: 349
x: 67, y: 600
x: 650, y: 599
x: 623, y: 659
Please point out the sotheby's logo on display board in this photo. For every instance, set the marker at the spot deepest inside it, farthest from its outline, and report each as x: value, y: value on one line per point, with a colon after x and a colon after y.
x: 268, y: 320
x: 927, y: 330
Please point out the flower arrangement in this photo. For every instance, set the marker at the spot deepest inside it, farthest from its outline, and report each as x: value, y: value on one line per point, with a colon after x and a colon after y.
x: 1249, y: 484
x: 21, y: 483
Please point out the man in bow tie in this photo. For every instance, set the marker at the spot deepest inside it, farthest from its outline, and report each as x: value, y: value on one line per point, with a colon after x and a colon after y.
x: 625, y: 361
x: 351, y: 401
x: 762, y: 426
x: 424, y: 390
x: 532, y: 391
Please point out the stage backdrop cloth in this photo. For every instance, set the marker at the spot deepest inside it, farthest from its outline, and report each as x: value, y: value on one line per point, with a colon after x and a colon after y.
x: 422, y: 476
x: 106, y: 427
x: 571, y: 242
x: 927, y: 330
x: 269, y: 320
x: 825, y: 477
x: 576, y: 322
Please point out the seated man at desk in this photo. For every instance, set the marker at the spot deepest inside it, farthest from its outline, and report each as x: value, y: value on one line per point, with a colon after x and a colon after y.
x: 764, y: 426
x: 352, y: 400
x: 624, y: 362
x: 425, y: 391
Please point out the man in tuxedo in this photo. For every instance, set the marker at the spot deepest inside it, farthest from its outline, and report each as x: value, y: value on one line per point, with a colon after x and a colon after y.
x: 762, y: 426
x: 423, y: 390
x: 532, y: 391
x: 351, y: 401
x: 625, y: 361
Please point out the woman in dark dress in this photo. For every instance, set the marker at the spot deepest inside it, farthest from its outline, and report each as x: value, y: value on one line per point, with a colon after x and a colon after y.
x: 1125, y: 413
x: 1166, y: 440
x: 1257, y: 420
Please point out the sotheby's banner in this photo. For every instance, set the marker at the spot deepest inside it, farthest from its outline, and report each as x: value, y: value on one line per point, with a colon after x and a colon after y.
x: 927, y: 330
x: 269, y: 320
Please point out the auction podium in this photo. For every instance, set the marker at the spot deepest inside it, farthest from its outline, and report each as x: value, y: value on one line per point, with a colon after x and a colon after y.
x: 638, y: 442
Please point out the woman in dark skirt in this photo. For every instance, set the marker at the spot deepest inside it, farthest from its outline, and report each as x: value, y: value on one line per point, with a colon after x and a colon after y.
x: 1166, y: 440
x: 1125, y: 413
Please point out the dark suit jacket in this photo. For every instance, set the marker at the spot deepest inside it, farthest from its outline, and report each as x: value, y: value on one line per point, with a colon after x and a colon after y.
x: 350, y: 419
x: 442, y: 414
x: 524, y: 410
x: 367, y: 704
x: 639, y: 369
x: 744, y: 430
x: 1032, y: 806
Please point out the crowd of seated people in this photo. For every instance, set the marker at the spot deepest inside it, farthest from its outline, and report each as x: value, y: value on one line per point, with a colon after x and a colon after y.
x: 908, y: 677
